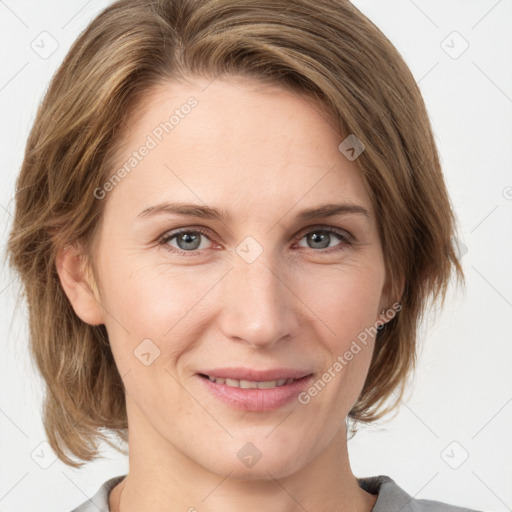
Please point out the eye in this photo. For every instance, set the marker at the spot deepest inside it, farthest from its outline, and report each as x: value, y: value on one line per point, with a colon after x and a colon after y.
x: 187, y: 240
x: 321, y: 237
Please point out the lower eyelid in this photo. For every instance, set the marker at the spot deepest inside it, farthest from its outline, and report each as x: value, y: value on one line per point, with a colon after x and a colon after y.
x: 345, y: 238
x: 165, y: 239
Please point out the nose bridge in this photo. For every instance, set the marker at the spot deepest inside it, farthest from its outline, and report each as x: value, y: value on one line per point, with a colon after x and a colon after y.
x: 262, y: 278
x: 256, y: 301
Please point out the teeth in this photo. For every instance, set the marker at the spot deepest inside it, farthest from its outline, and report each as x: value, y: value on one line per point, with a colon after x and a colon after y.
x: 251, y: 384
x: 218, y: 381
x: 248, y: 384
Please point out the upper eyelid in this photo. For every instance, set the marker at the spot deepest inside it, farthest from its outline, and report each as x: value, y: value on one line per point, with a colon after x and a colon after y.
x: 206, y: 231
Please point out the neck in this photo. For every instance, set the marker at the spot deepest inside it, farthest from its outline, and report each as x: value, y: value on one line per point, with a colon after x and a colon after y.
x: 163, y: 478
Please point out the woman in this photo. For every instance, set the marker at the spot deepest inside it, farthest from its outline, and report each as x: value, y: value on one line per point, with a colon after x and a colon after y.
x: 230, y: 218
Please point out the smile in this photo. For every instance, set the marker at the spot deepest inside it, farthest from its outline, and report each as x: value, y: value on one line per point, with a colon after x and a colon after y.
x: 250, y: 384
x: 254, y: 395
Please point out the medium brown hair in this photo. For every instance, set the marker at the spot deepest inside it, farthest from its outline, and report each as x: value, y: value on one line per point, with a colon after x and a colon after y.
x: 326, y: 49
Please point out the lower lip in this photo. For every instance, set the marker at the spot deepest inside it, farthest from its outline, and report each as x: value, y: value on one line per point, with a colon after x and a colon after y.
x: 256, y: 400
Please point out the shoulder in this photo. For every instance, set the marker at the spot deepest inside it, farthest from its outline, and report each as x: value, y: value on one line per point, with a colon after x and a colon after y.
x: 99, y: 502
x: 391, y: 498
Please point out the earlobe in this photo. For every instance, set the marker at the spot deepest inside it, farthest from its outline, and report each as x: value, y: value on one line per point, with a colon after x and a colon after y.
x: 78, y: 285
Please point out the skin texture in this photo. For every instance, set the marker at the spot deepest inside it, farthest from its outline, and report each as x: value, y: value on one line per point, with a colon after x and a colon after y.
x: 262, y: 154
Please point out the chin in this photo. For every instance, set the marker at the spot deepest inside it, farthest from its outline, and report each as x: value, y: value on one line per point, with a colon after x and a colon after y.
x: 262, y: 470
x: 247, y: 462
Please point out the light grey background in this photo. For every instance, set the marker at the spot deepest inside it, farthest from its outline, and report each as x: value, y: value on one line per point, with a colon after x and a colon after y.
x: 451, y: 438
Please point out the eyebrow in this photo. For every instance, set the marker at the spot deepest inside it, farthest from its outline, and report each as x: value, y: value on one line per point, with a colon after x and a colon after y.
x: 207, y: 212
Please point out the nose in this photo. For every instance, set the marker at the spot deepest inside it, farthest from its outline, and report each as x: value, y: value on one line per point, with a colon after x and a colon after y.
x: 258, y: 305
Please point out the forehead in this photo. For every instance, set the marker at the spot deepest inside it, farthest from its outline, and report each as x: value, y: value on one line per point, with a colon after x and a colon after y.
x: 233, y: 141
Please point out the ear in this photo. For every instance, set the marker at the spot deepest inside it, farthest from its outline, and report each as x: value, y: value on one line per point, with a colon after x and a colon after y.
x: 79, y: 285
x: 389, y: 298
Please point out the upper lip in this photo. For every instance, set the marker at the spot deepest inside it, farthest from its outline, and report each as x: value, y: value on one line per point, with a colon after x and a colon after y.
x: 256, y: 375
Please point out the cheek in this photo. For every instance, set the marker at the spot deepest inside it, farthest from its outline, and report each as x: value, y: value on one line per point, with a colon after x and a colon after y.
x: 348, y: 307
x: 172, y: 306
x: 345, y: 299
x: 147, y: 302
x: 347, y: 302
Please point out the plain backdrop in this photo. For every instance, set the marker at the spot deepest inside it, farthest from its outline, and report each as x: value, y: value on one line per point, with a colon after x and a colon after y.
x: 451, y: 439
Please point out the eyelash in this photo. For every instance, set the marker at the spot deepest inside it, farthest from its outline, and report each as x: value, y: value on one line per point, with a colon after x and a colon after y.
x: 344, y: 237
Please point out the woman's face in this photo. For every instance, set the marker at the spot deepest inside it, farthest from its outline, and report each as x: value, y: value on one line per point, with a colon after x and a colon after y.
x: 251, y: 285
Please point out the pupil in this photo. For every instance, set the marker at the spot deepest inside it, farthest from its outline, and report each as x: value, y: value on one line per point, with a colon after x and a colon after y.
x: 189, y: 239
x: 316, y: 238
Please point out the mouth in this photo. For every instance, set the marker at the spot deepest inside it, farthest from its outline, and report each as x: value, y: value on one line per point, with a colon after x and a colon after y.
x: 250, y: 384
x: 257, y: 391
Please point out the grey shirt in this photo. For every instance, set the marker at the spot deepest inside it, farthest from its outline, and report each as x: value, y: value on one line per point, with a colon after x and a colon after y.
x: 392, y: 498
